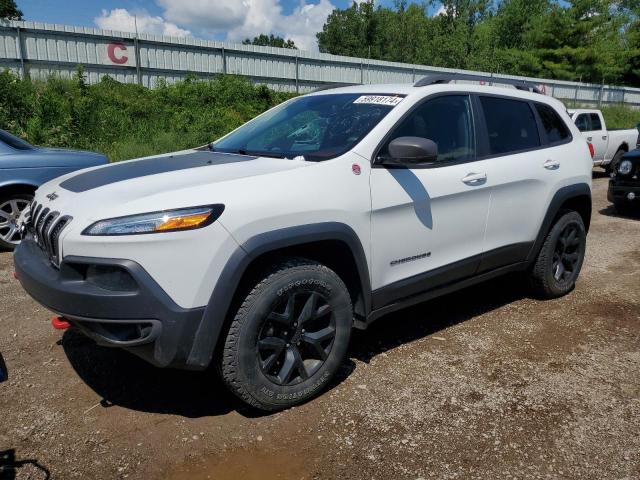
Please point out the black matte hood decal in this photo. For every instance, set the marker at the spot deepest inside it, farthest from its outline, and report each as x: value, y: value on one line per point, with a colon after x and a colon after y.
x: 128, y: 170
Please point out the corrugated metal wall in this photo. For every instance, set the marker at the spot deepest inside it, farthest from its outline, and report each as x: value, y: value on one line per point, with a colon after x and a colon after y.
x: 40, y: 50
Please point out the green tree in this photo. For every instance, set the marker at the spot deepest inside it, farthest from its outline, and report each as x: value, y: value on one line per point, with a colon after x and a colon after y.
x: 591, y: 40
x: 270, y: 41
x: 350, y: 31
x: 9, y: 10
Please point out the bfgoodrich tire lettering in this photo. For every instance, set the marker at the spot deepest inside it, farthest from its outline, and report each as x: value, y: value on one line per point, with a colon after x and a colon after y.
x: 560, y: 259
x: 270, y: 360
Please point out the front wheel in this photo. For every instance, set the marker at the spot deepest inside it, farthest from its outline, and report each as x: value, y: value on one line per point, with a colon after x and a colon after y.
x: 560, y: 259
x: 289, y: 336
x: 10, y: 209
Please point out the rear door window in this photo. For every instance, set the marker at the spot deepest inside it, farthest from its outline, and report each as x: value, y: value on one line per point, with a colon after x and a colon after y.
x: 554, y: 127
x: 596, y: 124
x: 511, y: 125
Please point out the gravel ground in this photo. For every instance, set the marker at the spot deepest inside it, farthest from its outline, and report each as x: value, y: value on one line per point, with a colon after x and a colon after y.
x: 484, y: 383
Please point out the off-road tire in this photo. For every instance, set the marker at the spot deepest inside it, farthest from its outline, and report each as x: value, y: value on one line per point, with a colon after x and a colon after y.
x: 241, y: 365
x: 542, y: 275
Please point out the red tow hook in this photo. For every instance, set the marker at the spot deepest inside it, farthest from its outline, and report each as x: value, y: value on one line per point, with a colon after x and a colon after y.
x: 60, y: 323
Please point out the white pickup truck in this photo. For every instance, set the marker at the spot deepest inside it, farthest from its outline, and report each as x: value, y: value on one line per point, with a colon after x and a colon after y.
x: 608, y: 145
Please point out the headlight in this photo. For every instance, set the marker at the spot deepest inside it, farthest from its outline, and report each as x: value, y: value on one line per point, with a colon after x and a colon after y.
x: 157, y: 222
x: 625, y: 167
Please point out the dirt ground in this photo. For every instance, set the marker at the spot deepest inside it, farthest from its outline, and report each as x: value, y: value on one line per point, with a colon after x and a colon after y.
x: 485, y: 383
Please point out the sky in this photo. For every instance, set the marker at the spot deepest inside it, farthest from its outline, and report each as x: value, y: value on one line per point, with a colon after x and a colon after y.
x: 232, y: 20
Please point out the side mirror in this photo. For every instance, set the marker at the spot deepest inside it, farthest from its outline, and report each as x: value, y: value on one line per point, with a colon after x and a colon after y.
x: 413, y: 150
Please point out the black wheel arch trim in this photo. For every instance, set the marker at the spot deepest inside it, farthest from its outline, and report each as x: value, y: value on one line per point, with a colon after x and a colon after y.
x: 562, y: 196
x: 217, y: 310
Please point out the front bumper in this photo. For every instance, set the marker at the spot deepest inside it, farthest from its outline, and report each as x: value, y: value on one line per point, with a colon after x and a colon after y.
x: 619, y: 190
x: 115, y: 302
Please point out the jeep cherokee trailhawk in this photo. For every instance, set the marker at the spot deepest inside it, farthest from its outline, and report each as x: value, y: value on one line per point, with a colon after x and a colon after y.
x: 260, y: 252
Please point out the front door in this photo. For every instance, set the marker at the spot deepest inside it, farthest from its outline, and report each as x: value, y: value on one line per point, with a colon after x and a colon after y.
x: 428, y: 223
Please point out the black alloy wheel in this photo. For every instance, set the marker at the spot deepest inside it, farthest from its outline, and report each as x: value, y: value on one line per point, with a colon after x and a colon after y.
x: 560, y: 259
x: 567, y: 254
x: 296, y: 338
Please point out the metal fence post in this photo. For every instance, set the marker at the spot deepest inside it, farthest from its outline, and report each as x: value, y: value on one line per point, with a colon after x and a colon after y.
x: 361, y: 73
x: 600, y: 96
x: 136, y: 47
x: 23, y: 71
x: 297, y: 76
x: 224, y: 61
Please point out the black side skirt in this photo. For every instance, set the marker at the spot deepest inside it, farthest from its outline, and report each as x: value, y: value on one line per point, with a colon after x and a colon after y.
x: 448, y: 278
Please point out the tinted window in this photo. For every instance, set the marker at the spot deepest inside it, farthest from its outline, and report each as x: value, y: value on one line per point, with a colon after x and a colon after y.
x: 511, y: 125
x: 447, y: 121
x: 595, y: 121
x: 553, y: 125
x: 583, y: 123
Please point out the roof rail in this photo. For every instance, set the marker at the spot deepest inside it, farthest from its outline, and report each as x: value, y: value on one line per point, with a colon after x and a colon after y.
x: 333, y: 85
x: 450, y: 77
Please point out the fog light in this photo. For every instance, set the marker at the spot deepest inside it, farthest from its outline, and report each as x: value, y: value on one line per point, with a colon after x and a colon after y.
x: 631, y: 196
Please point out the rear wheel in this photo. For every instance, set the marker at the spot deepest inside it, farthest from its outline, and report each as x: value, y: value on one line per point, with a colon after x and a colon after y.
x: 10, y: 209
x: 560, y: 259
x: 289, y: 336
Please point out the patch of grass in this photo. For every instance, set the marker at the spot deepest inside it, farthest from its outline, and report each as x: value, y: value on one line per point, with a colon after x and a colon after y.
x: 619, y: 116
x: 127, y: 121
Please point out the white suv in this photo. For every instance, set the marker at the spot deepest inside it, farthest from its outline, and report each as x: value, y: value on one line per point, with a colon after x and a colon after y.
x: 260, y: 252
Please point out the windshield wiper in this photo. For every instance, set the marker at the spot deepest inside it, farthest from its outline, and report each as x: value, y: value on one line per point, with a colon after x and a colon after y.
x: 242, y: 151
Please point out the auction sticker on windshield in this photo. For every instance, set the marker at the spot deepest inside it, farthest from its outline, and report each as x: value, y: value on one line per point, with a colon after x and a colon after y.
x: 390, y: 100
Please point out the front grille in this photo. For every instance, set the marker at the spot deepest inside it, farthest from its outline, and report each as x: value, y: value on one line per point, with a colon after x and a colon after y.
x: 45, y: 226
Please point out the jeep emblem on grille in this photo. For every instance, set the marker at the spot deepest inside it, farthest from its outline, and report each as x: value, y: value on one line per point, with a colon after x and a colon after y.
x: 52, y: 196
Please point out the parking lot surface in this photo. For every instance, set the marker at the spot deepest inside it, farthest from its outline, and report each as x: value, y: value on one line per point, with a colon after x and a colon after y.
x: 484, y: 383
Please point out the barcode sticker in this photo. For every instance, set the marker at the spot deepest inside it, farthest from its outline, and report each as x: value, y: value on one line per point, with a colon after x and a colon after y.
x: 390, y: 100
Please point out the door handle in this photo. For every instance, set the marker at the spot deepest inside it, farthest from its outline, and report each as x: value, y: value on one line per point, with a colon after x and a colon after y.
x: 589, y: 139
x: 604, y: 137
x: 551, y: 164
x: 475, y: 178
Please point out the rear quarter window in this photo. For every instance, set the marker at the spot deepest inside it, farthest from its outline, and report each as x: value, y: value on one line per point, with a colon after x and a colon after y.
x: 554, y: 127
x: 511, y: 125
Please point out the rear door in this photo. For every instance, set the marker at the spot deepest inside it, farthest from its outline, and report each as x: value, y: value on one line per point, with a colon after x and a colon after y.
x: 524, y: 163
x: 427, y: 224
x: 592, y: 130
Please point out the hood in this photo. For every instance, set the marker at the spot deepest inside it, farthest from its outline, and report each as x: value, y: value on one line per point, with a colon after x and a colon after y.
x: 174, y: 172
x: 632, y: 155
x: 52, y: 157
x: 155, y: 182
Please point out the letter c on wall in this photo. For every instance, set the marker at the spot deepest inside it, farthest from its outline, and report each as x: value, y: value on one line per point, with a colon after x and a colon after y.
x: 115, y: 53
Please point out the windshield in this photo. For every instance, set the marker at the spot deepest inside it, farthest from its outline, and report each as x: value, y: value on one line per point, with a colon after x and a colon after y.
x: 14, y: 142
x: 317, y: 127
